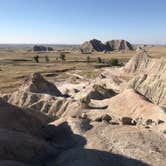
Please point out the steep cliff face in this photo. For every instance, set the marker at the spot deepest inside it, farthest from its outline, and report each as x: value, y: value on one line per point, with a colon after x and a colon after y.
x: 153, y: 87
x: 150, y: 80
x: 142, y: 62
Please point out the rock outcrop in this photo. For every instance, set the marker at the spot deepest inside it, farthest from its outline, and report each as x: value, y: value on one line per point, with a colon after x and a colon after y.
x: 113, y: 45
x: 153, y: 87
x: 96, y: 92
x: 92, y: 45
x: 37, y: 84
x: 150, y: 80
x: 143, y: 63
x: 38, y: 48
x: 40, y: 95
x: 24, y: 148
x: 129, y: 104
x: 21, y: 136
x: 118, y: 45
x: 14, y: 118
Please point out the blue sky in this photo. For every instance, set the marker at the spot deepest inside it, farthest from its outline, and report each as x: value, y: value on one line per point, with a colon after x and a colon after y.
x: 74, y: 21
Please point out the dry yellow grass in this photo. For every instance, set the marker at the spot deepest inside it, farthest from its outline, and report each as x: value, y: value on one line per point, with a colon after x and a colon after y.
x: 17, y: 64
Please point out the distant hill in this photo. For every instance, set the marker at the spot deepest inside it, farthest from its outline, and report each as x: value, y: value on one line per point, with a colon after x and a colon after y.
x: 54, y: 46
x: 42, y: 48
x: 112, y: 45
x: 118, y: 45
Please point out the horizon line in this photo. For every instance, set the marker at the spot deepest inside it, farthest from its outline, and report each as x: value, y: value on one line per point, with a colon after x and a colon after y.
x: 42, y: 43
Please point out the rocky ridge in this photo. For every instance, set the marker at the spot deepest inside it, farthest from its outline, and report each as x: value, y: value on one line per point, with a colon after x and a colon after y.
x: 112, y: 45
x: 150, y: 80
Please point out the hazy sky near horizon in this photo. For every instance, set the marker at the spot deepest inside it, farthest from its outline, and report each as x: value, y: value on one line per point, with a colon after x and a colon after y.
x: 74, y: 21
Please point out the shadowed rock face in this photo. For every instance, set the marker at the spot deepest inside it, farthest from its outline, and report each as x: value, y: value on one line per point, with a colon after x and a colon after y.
x: 97, y: 45
x: 88, y: 157
x: 118, y: 45
x: 96, y: 92
x: 23, y: 147
x: 14, y: 118
x: 21, y: 136
x: 92, y: 45
x: 12, y: 163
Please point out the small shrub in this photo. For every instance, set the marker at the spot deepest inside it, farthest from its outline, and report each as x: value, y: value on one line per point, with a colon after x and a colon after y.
x: 47, y: 59
x: 36, y: 58
x: 57, y: 58
x: 62, y: 56
x: 113, y: 62
x: 88, y: 59
x: 99, y: 60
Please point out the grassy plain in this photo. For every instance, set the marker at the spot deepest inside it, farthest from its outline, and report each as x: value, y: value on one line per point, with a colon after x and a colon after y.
x: 17, y: 63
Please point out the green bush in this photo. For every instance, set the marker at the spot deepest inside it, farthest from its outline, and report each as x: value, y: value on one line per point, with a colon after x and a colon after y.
x: 99, y: 60
x: 57, y: 58
x: 47, y: 59
x: 36, y: 58
x: 88, y: 59
x: 113, y: 62
x: 62, y: 56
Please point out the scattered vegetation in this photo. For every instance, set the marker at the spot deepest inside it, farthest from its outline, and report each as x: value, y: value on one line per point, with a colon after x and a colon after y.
x: 36, y: 58
x: 57, y: 58
x: 62, y: 56
x: 47, y: 59
x: 88, y: 59
x: 113, y: 62
x: 99, y: 60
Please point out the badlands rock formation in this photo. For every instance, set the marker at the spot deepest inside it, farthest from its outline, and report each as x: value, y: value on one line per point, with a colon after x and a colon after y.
x: 150, y: 80
x: 113, y: 45
x: 92, y: 45
x: 14, y: 118
x: 99, y: 122
x: 118, y: 45
x: 38, y: 94
x: 57, y: 145
x: 21, y: 136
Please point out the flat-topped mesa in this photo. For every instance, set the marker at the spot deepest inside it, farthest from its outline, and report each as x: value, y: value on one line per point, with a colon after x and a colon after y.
x: 37, y: 84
